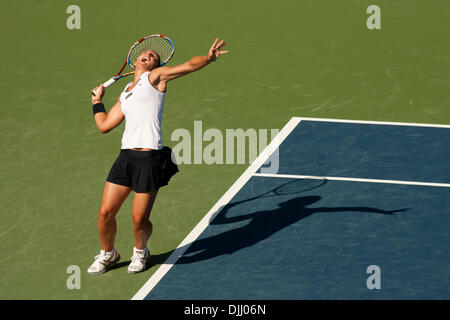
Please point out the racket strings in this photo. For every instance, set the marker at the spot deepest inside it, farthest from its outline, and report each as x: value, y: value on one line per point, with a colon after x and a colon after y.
x: 162, y: 46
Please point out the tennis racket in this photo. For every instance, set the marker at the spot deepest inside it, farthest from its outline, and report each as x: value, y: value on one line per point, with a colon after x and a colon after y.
x: 161, y: 44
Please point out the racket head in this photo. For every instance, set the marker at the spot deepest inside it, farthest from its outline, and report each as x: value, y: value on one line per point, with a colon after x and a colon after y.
x: 157, y: 42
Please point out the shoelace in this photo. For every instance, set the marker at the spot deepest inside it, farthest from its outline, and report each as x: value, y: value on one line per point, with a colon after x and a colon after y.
x: 102, y: 258
x: 138, y: 256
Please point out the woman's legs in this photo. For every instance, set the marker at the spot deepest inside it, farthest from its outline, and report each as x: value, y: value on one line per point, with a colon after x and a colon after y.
x: 113, y: 197
x: 142, y: 227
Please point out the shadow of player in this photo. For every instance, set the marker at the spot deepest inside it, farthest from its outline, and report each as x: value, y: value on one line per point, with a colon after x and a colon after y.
x: 262, y: 225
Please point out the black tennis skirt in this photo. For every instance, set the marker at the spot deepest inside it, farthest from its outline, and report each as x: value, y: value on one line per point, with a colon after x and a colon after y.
x: 143, y: 171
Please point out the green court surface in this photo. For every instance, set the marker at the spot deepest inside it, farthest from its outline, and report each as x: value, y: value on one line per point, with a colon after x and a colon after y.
x: 309, y: 58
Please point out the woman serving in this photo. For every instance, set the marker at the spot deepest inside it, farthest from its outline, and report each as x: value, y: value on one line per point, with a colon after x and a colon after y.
x: 144, y: 164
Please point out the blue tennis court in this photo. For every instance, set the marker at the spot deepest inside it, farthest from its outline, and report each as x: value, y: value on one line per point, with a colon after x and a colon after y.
x: 346, y: 195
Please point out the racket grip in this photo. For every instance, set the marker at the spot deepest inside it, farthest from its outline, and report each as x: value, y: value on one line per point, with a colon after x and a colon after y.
x: 109, y: 82
x: 105, y: 85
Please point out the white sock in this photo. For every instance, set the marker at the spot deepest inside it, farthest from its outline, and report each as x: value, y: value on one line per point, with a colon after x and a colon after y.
x: 109, y: 253
x: 144, y: 251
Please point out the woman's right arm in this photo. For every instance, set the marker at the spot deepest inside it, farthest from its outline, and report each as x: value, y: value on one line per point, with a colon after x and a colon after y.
x: 107, y: 122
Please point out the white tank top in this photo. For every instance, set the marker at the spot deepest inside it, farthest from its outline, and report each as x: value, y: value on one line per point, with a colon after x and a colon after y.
x: 143, y: 108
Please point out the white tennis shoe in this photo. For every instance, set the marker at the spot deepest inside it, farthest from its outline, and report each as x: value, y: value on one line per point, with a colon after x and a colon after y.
x: 139, y: 260
x: 104, y: 261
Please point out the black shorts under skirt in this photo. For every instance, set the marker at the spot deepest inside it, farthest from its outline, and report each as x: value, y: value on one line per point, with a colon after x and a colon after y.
x: 143, y: 171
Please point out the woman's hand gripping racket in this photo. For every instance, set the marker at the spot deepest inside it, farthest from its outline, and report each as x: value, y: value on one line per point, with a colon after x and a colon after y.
x: 161, y: 44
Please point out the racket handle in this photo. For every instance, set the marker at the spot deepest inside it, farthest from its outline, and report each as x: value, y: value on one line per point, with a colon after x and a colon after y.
x: 109, y: 82
x: 105, y: 85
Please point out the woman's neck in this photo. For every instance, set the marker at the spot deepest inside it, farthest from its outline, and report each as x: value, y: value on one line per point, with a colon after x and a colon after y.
x: 137, y: 75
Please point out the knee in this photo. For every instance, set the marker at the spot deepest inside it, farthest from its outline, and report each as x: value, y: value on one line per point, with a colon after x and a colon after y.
x: 106, y: 213
x: 140, y: 221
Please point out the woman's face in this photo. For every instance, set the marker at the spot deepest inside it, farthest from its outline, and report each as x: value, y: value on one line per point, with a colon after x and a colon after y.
x: 147, y: 60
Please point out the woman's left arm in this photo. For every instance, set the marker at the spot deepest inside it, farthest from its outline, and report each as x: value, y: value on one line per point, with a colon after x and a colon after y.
x: 166, y: 73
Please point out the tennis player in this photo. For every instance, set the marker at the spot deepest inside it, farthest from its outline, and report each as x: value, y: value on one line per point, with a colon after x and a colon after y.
x: 144, y: 164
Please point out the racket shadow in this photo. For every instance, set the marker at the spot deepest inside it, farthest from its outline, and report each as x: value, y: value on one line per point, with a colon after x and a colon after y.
x: 261, y: 225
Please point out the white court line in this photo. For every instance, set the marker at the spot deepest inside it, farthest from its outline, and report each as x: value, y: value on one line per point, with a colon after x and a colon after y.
x: 234, y: 189
x: 412, y: 124
x: 223, y: 201
x: 294, y: 176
